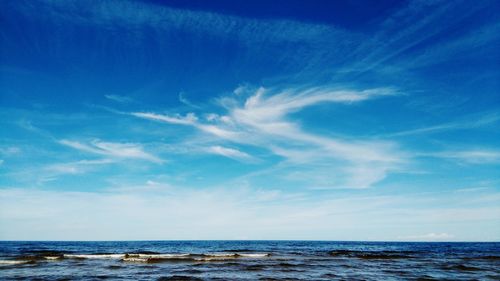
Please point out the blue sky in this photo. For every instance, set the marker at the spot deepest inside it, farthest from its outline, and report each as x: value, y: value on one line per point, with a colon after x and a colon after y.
x: 126, y: 120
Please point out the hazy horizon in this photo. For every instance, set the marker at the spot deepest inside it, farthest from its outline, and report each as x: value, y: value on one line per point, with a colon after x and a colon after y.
x: 220, y: 120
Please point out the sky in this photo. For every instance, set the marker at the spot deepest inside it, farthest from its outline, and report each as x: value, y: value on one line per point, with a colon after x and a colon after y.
x: 287, y: 120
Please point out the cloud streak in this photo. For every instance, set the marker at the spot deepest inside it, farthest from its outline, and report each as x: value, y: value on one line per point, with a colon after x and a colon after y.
x: 120, y: 99
x: 114, y: 150
x: 476, y: 156
x: 230, y: 153
x: 485, y: 120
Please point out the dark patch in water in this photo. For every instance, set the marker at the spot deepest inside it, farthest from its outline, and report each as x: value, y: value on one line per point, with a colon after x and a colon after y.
x: 144, y: 253
x: 29, y: 258
x: 368, y: 255
x: 238, y: 251
x: 493, y: 258
x: 461, y: 267
x: 329, y: 275
x: 426, y: 278
x: 285, y: 264
x: 254, y: 267
x: 48, y: 253
x: 41, y: 255
x: 114, y: 267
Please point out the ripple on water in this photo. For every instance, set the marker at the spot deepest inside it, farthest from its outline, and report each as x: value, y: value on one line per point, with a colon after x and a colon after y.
x: 179, y: 278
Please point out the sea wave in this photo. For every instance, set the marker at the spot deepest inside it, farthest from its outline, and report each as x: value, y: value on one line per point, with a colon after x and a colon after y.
x: 13, y: 262
x: 156, y: 256
x: 215, y: 260
x: 52, y: 257
x: 159, y: 257
x: 95, y: 256
x: 138, y: 257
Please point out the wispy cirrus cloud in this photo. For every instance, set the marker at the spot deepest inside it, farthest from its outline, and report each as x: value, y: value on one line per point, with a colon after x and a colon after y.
x: 76, y: 167
x: 114, y: 150
x: 183, y: 99
x: 230, y: 153
x: 417, y: 23
x: 475, y: 156
x: 54, y: 171
x: 261, y: 120
x: 191, y: 120
x: 118, y: 98
x: 476, y: 122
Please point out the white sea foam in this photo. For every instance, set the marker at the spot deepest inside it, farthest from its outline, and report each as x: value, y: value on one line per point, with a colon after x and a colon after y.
x: 52, y: 257
x: 136, y: 259
x: 256, y: 255
x: 225, y: 256
x: 158, y: 256
x: 95, y: 256
x: 12, y: 262
x: 220, y: 255
x: 148, y: 257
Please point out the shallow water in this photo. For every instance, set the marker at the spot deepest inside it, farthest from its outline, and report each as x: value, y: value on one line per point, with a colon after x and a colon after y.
x: 248, y: 260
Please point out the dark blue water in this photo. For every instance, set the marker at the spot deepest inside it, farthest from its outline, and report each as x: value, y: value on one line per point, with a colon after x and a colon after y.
x: 248, y: 260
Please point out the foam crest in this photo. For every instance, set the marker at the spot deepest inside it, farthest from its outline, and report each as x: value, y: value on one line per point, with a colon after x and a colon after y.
x: 255, y: 255
x: 13, y: 262
x: 135, y: 259
x: 157, y: 256
x: 52, y: 257
x: 95, y: 256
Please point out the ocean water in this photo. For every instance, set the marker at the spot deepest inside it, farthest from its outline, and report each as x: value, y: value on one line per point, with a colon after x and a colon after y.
x: 248, y: 260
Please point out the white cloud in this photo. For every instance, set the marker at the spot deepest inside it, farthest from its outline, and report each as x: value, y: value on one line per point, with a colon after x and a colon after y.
x: 484, y: 120
x: 430, y: 237
x: 150, y: 186
x: 185, y: 101
x: 120, y: 99
x: 476, y: 156
x: 261, y: 120
x: 76, y: 167
x: 189, y: 119
x: 230, y: 153
x: 115, y: 150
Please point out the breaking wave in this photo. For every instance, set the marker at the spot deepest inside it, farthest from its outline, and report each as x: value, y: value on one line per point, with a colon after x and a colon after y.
x: 144, y: 257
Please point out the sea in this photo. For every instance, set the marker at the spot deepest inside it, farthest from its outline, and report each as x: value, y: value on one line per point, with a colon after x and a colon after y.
x: 248, y: 260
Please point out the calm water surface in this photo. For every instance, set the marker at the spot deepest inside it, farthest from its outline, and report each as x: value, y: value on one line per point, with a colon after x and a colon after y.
x: 248, y: 260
